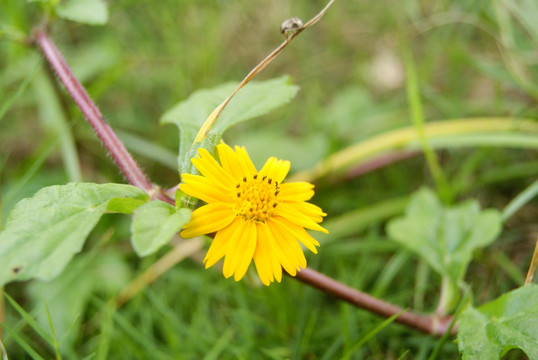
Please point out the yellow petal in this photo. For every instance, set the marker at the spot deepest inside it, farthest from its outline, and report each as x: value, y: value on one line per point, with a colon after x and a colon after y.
x: 296, y: 191
x: 232, y: 163
x: 219, y: 246
x: 267, y: 234
x: 210, y: 168
x: 289, y: 246
x: 204, y: 189
x: 297, y: 217
x: 239, y: 255
x: 229, y: 161
x: 300, y: 233
x: 275, y: 169
x: 262, y: 257
x: 312, y: 211
x: 246, y: 164
x: 208, y: 218
x: 265, y: 256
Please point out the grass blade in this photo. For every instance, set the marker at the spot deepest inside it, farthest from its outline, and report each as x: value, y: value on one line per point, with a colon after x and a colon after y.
x: 417, y: 115
x: 520, y: 200
x: 54, y: 339
x: 370, y: 335
x: 30, y: 320
x: 22, y: 343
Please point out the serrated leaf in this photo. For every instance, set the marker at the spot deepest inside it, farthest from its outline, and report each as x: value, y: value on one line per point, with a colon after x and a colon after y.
x: 255, y: 99
x: 154, y: 223
x: 91, y: 12
x: 43, y: 232
x: 445, y: 237
x: 511, y: 321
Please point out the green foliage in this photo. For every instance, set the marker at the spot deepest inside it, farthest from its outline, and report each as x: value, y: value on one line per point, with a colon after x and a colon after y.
x: 44, y: 232
x: 445, y: 237
x: 154, y: 223
x: 491, y: 330
x: 67, y: 295
x: 255, y: 99
x: 91, y: 12
x: 473, y: 59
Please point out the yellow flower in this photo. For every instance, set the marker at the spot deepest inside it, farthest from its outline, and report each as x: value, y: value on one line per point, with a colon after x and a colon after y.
x: 254, y: 215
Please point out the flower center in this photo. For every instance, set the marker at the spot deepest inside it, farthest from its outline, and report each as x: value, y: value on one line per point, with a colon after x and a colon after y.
x: 256, y: 198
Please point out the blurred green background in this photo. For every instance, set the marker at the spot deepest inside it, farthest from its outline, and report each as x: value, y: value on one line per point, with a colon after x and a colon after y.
x: 473, y: 58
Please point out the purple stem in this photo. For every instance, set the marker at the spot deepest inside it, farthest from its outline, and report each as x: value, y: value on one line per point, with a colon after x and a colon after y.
x: 110, y: 140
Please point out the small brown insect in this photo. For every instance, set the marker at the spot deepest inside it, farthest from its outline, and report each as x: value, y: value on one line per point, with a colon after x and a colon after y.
x: 290, y: 26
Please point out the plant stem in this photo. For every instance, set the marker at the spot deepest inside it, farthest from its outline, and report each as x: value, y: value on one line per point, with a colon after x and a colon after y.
x: 208, y: 123
x: 429, y: 324
x: 110, y: 140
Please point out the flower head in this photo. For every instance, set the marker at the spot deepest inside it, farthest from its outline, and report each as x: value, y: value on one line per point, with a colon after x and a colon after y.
x: 254, y: 214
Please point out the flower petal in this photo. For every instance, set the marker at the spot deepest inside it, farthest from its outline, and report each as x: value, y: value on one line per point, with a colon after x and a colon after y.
x: 210, y: 168
x: 262, y: 258
x: 289, y: 246
x: 296, y: 191
x: 300, y: 233
x: 275, y: 169
x: 312, y: 211
x: 267, y: 234
x: 239, y: 257
x: 297, y: 217
x: 246, y: 164
x: 204, y: 189
x: 265, y: 256
x: 209, y: 218
x: 219, y: 246
x: 230, y: 162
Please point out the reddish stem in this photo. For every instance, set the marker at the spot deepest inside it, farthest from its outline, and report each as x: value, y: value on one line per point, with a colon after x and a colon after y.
x: 429, y: 324
x: 110, y: 140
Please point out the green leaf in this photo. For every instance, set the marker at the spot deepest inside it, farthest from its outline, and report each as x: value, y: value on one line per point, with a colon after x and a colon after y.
x: 91, y: 12
x: 445, y: 237
x: 124, y: 205
x: 154, y: 223
x: 43, y: 232
x: 257, y: 98
x: 511, y: 321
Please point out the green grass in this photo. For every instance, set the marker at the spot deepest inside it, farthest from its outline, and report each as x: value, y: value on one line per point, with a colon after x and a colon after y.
x: 471, y: 58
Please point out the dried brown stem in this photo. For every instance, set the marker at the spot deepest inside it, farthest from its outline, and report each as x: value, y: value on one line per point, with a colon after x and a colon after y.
x: 532, y: 267
x: 204, y: 130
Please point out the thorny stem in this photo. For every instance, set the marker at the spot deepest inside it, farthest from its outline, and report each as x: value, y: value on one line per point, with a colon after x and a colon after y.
x: 429, y: 324
x: 110, y: 140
